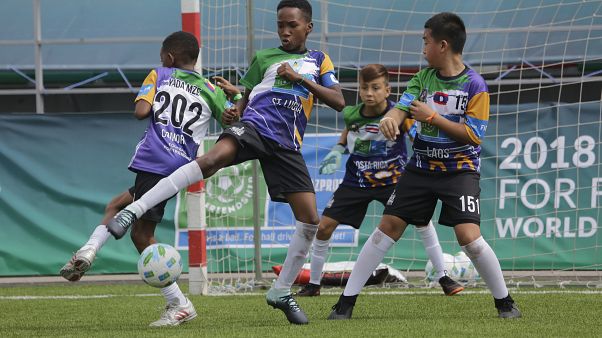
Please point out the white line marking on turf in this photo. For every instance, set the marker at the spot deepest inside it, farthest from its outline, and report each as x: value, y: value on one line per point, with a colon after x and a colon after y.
x: 76, y: 296
x: 428, y: 293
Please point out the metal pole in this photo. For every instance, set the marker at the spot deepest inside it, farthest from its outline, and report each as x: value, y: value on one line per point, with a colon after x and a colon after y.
x: 198, y: 282
x: 256, y: 195
x: 324, y: 18
x: 37, y: 36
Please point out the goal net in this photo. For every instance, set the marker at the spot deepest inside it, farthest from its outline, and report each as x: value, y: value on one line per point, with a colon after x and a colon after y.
x: 541, y: 176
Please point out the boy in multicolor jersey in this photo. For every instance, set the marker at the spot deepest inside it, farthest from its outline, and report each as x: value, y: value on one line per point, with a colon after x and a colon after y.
x: 373, y: 168
x: 180, y: 103
x: 451, y: 104
x: 280, y: 87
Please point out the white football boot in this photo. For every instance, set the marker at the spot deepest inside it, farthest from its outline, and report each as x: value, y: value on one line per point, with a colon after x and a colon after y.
x: 81, y: 262
x: 175, y: 315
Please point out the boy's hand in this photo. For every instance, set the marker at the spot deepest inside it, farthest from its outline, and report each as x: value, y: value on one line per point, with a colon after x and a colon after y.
x: 230, y: 115
x: 226, y: 86
x: 286, y: 71
x: 389, y: 127
x: 420, y: 111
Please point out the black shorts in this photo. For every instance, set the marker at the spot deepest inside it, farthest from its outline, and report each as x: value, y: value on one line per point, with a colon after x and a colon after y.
x: 348, y: 205
x: 416, y: 194
x: 144, y: 182
x: 284, y: 169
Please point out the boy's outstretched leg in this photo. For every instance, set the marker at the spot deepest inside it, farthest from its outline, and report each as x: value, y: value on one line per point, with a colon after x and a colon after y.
x: 221, y: 155
x: 488, y: 266
x: 164, y: 189
x: 82, y: 260
x: 279, y: 296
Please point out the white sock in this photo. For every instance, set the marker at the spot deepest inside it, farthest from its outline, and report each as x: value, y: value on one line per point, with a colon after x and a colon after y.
x: 167, y: 187
x: 371, y: 255
x: 99, y: 237
x: 318, y: 257
x: 173, y: 294
x: 488, y: 266
x: 296, y: 254
x: 433, y: 248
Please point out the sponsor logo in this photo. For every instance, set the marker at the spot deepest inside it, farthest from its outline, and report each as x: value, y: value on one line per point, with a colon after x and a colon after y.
x: 229, y: 191
x: 145, y: 89
x: 238, y: 130
x: 391, y: 198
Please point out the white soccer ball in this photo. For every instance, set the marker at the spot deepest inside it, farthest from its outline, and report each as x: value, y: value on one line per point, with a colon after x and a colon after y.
x: 448, y: 261
x: 159, y: 265
x: 464, y: 269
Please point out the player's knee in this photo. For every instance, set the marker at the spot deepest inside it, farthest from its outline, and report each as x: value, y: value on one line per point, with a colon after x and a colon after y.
x: 391, y: 230
x: 325, y: 230
x: 474, y: 248
x: 306, y: 230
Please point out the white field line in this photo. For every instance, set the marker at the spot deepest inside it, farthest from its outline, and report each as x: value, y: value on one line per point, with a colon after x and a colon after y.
x: 429, y: 293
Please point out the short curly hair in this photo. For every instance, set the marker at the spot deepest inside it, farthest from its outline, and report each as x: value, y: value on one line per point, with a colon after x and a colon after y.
x: 182, y: 45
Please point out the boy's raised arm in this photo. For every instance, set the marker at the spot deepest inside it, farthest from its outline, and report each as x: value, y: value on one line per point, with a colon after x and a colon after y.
x: 331, y: 96
x: 389, y: 124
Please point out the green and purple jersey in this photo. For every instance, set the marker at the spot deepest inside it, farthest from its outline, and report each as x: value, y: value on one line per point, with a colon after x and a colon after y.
x: 373, y: 160
x: 182, y: 104
x: 461, y: 99
x: 277, y: 108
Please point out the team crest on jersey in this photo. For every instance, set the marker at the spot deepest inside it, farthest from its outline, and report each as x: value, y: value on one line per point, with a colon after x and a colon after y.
x: 296, y: 65
x: 440, y: 98
x: 429, y: 130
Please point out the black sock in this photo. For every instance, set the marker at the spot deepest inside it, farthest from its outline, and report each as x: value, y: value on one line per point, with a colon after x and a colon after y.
x: 348, y: 300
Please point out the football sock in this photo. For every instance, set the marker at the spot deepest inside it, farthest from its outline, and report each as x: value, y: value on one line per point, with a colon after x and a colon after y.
x: 433, y: 248
x: 296, y: 254
x: 99, y: 237
x: 173, y: 294
x: 488, y: 266
x: 318, y: 257
x: 167, y: 187
x: 371, y: 255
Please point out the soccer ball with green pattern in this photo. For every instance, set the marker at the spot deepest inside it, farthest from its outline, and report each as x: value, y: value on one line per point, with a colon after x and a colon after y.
x: 159, y: 265
x: 448, y: 261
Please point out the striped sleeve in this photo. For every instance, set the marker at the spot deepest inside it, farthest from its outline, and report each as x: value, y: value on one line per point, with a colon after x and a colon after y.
x: 477, y: 116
